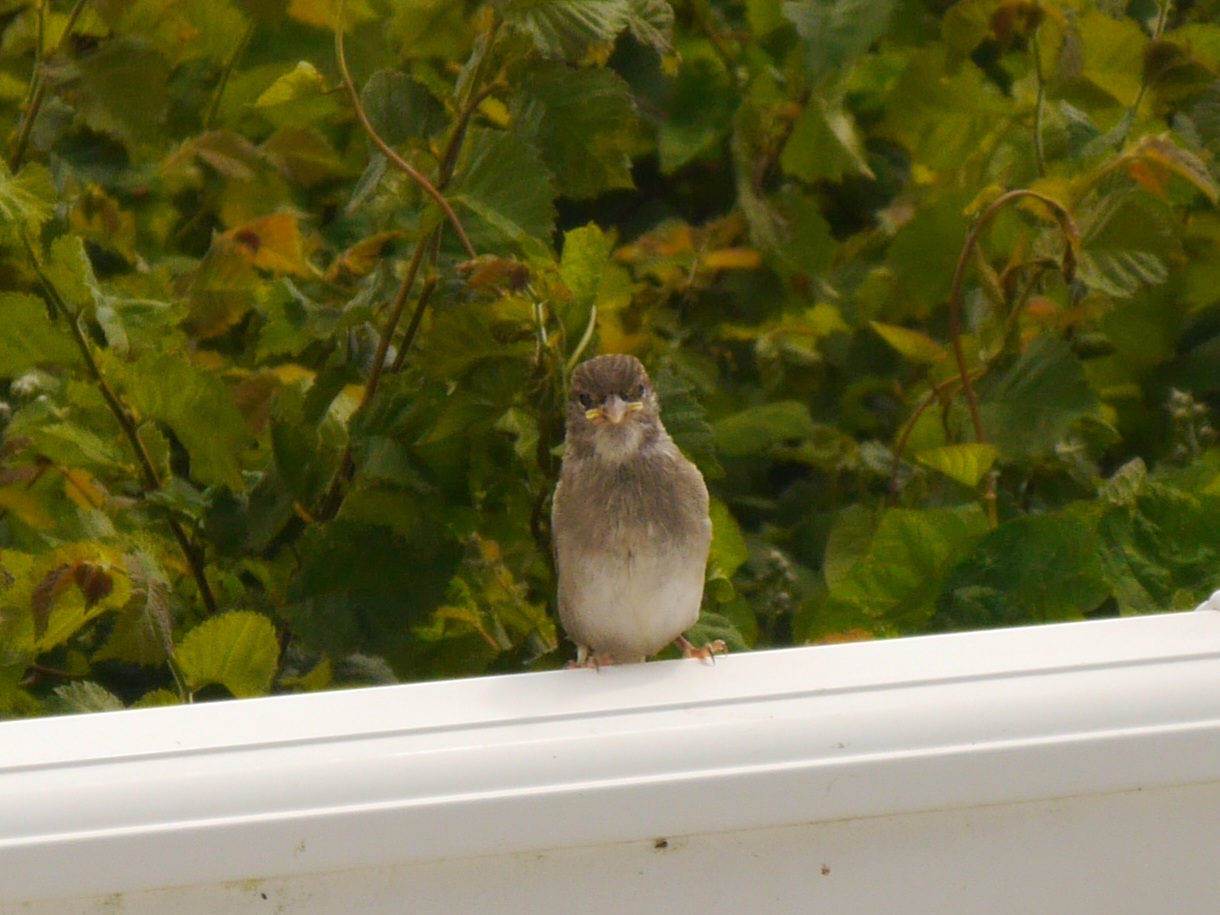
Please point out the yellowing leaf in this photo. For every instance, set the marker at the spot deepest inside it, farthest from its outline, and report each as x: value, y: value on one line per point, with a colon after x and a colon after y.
x: 237, y: 650
x: 303, y: 81
x: 360, y: 259
x: 325, y: 13
x: 967, y: 464
x: 916, y: 346
x: 732, y: 259
x: 273, y: 243
x: 1154, y: 159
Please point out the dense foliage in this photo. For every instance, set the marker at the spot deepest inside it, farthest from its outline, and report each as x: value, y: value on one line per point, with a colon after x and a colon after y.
x: 930, y: 292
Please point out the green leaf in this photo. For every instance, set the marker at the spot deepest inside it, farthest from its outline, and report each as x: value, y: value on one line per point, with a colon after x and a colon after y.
x: 236, y: 650
x: 503, y: 183
x: 685, y: 419
x: 1031, y: 406
x: 569, y: 29
x: 302, y: 81
x: 761, y: 429
x: 400, y: 108
x: 1113, y: 61
x: 700, y: 111
x: 586, y: 255
x: 825, y: 145
x: 898, y: 580
x: 967, y: 464
x: 834, y: 31
x: 651, y: 22
x: 144, y: 632
x: 26, y: 199
x: 361, y: 586
x: 1039, y: 568
x: 70, y: 271
x: 729, y: 548
x: 30, y: 338
x: 582, y: 121
x: 83, y: 696
x: 122, y: 89
x: 942, y: 109
x: 197, y: 406
x: 1125, y: 239
x: 912, y: 344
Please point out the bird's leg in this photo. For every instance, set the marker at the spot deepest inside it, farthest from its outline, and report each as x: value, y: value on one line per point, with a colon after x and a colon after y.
x: 703, y: 652
x: 586, y: 658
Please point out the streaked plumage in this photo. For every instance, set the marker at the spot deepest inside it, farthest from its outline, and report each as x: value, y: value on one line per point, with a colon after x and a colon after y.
x: 630, y: 520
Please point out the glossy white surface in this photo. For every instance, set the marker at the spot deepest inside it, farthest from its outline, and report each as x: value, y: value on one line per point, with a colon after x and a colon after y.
x: 1052, y: 765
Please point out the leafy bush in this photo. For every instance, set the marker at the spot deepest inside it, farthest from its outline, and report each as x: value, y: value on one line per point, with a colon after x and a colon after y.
x: 931, y: 295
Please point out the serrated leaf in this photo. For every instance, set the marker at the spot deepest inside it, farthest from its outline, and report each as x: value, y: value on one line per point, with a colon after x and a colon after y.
x: 83, y: 696
x: 897, y: 581
x: 30, y: 338
x: 912, y: 344
x: 569, y: 29
x: 967, y: 464
x: 760, y: 429
x: 583, y: 122
x: 122, y: 89
x: 272, y: 243
x: 941, y: 109
x: 400, y: 108
x: 834, y: 31
x: 27, y: 198
x: 1030, y: 406
x: 503, y: 183
x: 237, y: 650
x: 651, y: 22
x: 197, y: 406
x: 1152, y: 158
x: 144, y: 632
x: 1041, y: 567
x: 71, y: 585
x: 686, y: 421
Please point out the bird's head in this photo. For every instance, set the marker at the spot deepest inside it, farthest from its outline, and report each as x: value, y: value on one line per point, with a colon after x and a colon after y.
x: 612, y: 409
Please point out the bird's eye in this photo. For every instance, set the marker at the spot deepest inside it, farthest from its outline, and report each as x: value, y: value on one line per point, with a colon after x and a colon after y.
x: 636, y: 393
x: 586, y: 401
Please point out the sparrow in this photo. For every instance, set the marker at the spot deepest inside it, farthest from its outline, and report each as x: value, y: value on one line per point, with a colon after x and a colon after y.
x: 630, y: 522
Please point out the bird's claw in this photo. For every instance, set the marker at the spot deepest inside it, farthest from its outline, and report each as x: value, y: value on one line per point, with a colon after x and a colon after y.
x: 706, y: 652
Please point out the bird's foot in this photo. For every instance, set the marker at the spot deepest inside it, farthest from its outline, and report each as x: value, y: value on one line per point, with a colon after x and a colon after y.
x: 702, y: 652
x: 586, y: 659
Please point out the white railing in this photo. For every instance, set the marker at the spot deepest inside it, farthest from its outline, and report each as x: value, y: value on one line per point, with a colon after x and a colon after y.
x: 1055, y: 769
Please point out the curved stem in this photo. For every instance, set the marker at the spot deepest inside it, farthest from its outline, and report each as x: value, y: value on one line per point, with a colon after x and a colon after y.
x: 1068, y: 227
x: 362, y: 116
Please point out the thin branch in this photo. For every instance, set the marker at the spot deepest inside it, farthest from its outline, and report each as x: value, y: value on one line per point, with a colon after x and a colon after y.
x: 38, y: 83
x: 425, y: 185
x: 148, y: 470
x: 1039, y: 106
x: 225, y: 73
x: 417, y: 316
x: 1068, y: 228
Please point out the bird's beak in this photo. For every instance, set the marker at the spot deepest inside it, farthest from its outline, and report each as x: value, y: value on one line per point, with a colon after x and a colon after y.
x: 614, y: 410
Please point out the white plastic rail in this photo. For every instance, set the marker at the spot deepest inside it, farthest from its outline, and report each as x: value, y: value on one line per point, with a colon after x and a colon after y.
x: 1067, y: 769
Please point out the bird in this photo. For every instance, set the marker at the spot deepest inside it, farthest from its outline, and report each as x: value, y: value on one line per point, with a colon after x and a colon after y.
x: 629, y: 520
